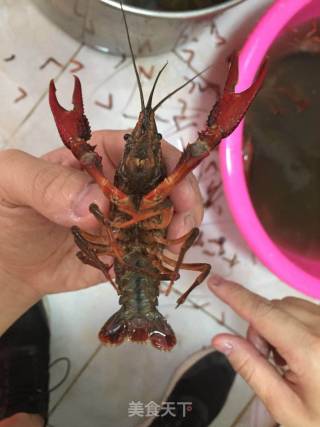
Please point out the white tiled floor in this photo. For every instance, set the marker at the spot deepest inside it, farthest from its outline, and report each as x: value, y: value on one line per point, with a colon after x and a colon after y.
x: 102, y: 381
x: 26, y: 34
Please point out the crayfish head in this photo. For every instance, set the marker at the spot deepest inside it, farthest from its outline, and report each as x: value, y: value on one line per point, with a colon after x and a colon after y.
x: 142, y: 163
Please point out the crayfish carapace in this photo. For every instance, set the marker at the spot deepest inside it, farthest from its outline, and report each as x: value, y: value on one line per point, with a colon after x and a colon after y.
x: 140, y: 208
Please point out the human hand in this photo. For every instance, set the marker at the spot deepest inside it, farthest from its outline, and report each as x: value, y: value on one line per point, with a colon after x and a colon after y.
x: 290, y: 328
x: 40, y: 198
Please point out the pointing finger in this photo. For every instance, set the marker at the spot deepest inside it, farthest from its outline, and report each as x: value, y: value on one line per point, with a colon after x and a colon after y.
x: 276, y: 326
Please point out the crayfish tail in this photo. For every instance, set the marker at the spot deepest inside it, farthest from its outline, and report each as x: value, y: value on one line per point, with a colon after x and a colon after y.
x: 138, y: 328
x: 161, y: 335
x: 114, y: 330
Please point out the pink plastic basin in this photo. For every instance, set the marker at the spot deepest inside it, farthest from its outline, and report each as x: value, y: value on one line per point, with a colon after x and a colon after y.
x: 299, y: 272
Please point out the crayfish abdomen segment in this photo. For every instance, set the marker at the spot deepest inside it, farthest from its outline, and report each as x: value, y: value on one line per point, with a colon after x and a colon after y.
x: 138, y: 319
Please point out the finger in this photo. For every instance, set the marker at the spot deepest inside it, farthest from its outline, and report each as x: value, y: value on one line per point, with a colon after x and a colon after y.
x: 279, y: 328
x: 111, y: 143
x: 263, y: 347
x: 61, y: 194
x: 62, y: 156
x: 180, y: 224
x: 308, y: 306
x: 188, y: 205
x: 304, y: 311
x: 261, y: 376
x: 23, y: 419
x: 88, y: 276
x: 258, y: 342
x: 278, y: 359
x: 186, y: 196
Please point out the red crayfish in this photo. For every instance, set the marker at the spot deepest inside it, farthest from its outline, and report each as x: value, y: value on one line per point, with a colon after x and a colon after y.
x: 134, y: 232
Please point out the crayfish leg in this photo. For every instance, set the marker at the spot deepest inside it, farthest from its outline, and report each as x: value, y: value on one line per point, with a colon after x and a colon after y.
x: 203, y: 268
x: 94, y: 261
x: 89, y: 241
x: 204, y: 271
x: 190, y: 238
x: 147, y: 216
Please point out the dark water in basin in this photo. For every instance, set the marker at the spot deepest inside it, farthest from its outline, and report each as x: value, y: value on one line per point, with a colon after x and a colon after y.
x: 173, y: 5
x: 283, y: 126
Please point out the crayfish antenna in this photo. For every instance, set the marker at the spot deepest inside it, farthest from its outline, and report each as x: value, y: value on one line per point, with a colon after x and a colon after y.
x: 149, y: 103
x: 133, y: 58
x: 179, y: 88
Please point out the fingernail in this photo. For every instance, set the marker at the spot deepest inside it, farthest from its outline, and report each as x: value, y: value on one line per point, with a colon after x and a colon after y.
x: 215, y: 280
x: 90, y: 193
x: 189, y: 222
x: 224, y: 347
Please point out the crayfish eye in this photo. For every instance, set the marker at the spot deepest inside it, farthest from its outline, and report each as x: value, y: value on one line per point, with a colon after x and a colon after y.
x: 159, y: 136
x: 126, y: 136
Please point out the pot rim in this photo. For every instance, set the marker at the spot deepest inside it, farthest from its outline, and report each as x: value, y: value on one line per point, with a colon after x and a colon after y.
x: 191, y: 14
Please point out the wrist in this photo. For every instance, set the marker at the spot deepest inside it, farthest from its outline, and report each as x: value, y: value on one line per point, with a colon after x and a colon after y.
x: 15, y: 299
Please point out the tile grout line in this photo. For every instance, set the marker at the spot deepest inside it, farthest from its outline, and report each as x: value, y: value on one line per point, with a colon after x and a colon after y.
x: 216, y: 319
x: 238, y: 418
x: 77, y: 376
x: 195, y: 71
x: 125, y: 65
x: 35, y: 106
x: 244, y: 409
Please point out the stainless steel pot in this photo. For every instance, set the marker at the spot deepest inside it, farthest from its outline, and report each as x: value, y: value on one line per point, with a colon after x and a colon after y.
x: 99, y: 24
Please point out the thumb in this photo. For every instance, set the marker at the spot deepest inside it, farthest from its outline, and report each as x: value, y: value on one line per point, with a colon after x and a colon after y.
x: 60, y: 193
x: 260, y: 375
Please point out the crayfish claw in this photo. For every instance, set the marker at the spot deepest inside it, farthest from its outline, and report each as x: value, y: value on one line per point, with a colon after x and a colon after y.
x: 231, y: 107
x: 56, y: 108
x: 77, y: 96
x: 233, y: 74
x: 72, y: 125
